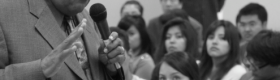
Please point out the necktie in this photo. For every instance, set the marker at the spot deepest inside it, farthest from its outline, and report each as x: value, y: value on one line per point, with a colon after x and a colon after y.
x: 80, y: 53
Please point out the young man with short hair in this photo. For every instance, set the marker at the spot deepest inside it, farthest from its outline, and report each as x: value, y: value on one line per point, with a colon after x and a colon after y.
x: 250, y: 20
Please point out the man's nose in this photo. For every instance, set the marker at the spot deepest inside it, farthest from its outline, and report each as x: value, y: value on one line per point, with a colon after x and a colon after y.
x: 168, y: 2
x: 247, y: 28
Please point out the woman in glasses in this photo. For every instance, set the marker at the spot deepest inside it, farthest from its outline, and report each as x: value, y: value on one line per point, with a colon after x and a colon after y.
x: 220, y: 53
x: 263, y: 52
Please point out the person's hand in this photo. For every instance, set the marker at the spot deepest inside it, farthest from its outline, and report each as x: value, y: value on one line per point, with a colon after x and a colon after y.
x: 113, y: 54
x: 53, y: 61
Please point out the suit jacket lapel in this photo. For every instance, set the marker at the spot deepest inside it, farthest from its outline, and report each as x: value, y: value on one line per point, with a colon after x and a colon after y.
x: 92, y: 41
x: 48, y: 27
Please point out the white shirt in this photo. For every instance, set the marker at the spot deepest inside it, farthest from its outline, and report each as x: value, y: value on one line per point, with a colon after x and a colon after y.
x: 235, y: 73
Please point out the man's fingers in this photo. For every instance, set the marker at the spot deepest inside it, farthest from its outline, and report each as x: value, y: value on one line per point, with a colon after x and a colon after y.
x: 80, y: 25
x: 113, y: 45
x: 79, y: 44
x: 77, y: 32
x: 103, y: 58
x: 67, y: 52
x: 113, y: 36
x: 117, y: 51
x: 118, y: 59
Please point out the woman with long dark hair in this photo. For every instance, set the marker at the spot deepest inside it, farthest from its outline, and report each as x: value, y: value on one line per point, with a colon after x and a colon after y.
x: 178, y: 65
x: 219, y: 59
x: 178, y: 35
x: 141, y: 63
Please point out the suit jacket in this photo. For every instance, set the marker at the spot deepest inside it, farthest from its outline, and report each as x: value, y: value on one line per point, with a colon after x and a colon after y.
x: 29, y: 31
x: 205, y: 11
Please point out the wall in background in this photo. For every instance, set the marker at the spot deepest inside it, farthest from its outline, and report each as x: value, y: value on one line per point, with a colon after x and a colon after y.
x: 152, y: 8
x: 232, y: 7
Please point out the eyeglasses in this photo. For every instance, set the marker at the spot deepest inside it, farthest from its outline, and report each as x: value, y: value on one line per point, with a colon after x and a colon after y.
x: 255, y: 65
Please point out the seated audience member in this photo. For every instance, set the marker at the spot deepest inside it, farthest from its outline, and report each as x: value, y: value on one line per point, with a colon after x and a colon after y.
x: 178, y: 35
x: 155, y: 26
x: 250, y: 20
x: 132, y: 8
x: 183, y: 14
x: 219, y: 59
x: 141, y: 63
x: 177, y: 66
x: 263, y: 52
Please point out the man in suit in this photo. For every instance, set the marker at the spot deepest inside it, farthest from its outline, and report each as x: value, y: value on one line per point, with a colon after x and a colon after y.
x: 38, y: 42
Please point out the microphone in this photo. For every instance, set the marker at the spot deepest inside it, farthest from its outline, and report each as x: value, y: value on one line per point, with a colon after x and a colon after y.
x: 99, y: 14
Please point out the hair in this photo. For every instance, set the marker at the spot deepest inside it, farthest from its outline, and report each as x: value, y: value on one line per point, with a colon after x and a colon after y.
x: 187, y: 31
x: 134, y: 2
x: 265, y: 47
x: 173, y: 14
x: 253, y: 9
x: 122, y: 35
x: 232, y: 37
x: 139, y: 23
x: 181, y: 62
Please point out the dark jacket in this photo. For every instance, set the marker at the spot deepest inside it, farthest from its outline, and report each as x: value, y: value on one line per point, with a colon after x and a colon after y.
x: 205, y: 11
x: 266, y: 73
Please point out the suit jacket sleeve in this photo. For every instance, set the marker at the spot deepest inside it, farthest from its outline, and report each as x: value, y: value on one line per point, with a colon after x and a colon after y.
x: 220, y: 4
x: 152, y: 30
x: 21, y: 71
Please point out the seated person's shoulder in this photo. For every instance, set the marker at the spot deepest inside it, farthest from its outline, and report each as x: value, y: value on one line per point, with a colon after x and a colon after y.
x: 195, y: 23
x: 146, y: 59
x: 153, y: 20
x: 238, y: 69
x: 235, y: 73
x: 145, y: 56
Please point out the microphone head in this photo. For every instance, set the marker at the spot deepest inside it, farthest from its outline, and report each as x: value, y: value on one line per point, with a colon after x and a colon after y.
x: 98, y: 12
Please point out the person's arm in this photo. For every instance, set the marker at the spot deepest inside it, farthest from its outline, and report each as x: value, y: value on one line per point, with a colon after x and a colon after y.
x: 235, y: 73
x: 21, y: 71
x: 152, y: 31
x: 198, y: 27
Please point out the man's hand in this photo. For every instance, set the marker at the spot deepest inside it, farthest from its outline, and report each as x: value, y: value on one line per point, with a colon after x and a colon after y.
x: 53, y: 61
x: 113, y: 53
